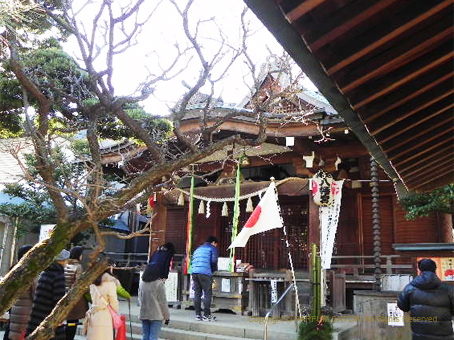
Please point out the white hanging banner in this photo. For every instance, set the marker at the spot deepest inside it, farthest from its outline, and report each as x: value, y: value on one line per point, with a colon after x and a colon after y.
x: 329, y: 217
x: 273, y: 291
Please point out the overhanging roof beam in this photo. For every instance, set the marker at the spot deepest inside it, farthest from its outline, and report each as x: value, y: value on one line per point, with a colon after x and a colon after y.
x: 292, y: 43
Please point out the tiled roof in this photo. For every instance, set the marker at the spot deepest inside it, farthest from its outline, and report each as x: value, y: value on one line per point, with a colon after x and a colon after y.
x: 10, y: 170
x: 250, y: 151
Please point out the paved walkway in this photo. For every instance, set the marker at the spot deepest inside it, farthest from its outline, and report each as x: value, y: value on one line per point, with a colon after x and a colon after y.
x: 222, y: 319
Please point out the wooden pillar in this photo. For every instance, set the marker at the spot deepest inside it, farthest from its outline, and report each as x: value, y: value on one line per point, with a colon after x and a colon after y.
x: 277, y: 237
x: 314, y: 222
x: 444, y: 223
x: 376, y: 222
x: 159, y: 225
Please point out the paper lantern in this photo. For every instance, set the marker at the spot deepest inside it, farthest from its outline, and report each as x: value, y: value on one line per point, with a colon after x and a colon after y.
x: 150, y: 204
x: 321, y: 188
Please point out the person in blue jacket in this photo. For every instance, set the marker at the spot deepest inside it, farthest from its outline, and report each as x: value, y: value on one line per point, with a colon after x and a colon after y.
x: 204, y: 262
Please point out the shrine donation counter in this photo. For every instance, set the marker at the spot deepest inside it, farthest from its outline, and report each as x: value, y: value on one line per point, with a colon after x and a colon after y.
x: 266, y: 286
x: 229, y: 291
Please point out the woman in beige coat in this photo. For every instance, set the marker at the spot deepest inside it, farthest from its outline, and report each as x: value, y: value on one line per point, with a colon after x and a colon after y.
x: 103, y: 291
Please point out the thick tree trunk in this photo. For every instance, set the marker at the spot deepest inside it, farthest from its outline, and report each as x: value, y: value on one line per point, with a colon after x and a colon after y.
x: 29, y: 267
x: 42, y: 255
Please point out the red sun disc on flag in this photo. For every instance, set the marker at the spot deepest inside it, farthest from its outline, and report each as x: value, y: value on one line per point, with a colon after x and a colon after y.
x: 252, y: 220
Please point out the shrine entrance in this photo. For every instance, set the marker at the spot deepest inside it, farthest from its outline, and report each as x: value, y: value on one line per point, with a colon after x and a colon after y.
x: 267, y: 250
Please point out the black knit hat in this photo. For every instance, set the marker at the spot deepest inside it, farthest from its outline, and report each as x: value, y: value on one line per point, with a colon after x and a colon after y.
x: 211, y: 239
x: 76, y: 252
x: 427, y: 265
x: 169, y: 246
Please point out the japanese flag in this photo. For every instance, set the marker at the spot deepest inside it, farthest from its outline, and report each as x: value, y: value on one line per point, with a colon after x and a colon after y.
x: 265, y: 217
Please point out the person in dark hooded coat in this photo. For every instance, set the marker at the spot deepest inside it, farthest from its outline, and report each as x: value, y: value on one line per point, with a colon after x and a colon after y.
x: 159, y: 265
x: 428, y: 297
x: 20, y: 312
x: 50, y: 289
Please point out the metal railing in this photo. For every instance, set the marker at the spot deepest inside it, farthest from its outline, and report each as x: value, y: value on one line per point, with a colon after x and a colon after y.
x: 265, y: 336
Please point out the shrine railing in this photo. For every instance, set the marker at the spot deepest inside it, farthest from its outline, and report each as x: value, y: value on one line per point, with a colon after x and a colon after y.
x: 360, y: 265
x: 137, y: 259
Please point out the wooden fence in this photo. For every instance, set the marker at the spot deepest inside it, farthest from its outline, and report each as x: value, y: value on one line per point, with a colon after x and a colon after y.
x: 357, y: 265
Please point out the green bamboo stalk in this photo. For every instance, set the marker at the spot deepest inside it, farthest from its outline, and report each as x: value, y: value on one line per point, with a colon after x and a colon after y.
x: 318, y: 286
x: 315, y: 282
x: 236, y: 214
x: 189, y: 229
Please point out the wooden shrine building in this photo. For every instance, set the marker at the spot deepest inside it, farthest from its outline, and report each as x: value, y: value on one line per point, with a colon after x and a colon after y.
x: 326, y: 137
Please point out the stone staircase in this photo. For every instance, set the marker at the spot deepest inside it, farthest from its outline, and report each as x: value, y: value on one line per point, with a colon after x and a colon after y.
x: 183, y: 326
x: 227, y: 329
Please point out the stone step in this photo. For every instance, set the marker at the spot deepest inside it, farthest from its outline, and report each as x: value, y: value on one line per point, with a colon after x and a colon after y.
x: 183, y: 325
x: 231, y: 329
x: 343, y: 331
x: 180, y: 334
x: 226, y: 326
x: 187, y: 330
x: 128, y: 336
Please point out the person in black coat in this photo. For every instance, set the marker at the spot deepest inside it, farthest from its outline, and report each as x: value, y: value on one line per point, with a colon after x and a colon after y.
x: 20, y: 309
x: 427, y: 297
x: 50, y: 289
x: 159, y: 265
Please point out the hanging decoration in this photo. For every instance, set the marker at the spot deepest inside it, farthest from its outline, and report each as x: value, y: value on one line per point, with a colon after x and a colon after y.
x: 189, y: 228
x: 329, y: 216
x: 321, y: 188
x: 309, y: 160
x: 150, y: 204
x: 181, y: 200
x: 249, y: 206
x: 236, y: 214
x: 225, y: 211
x: 201, y: 208
x: 337, y: 162
x: 208, y: 214
x: 259, y: 193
